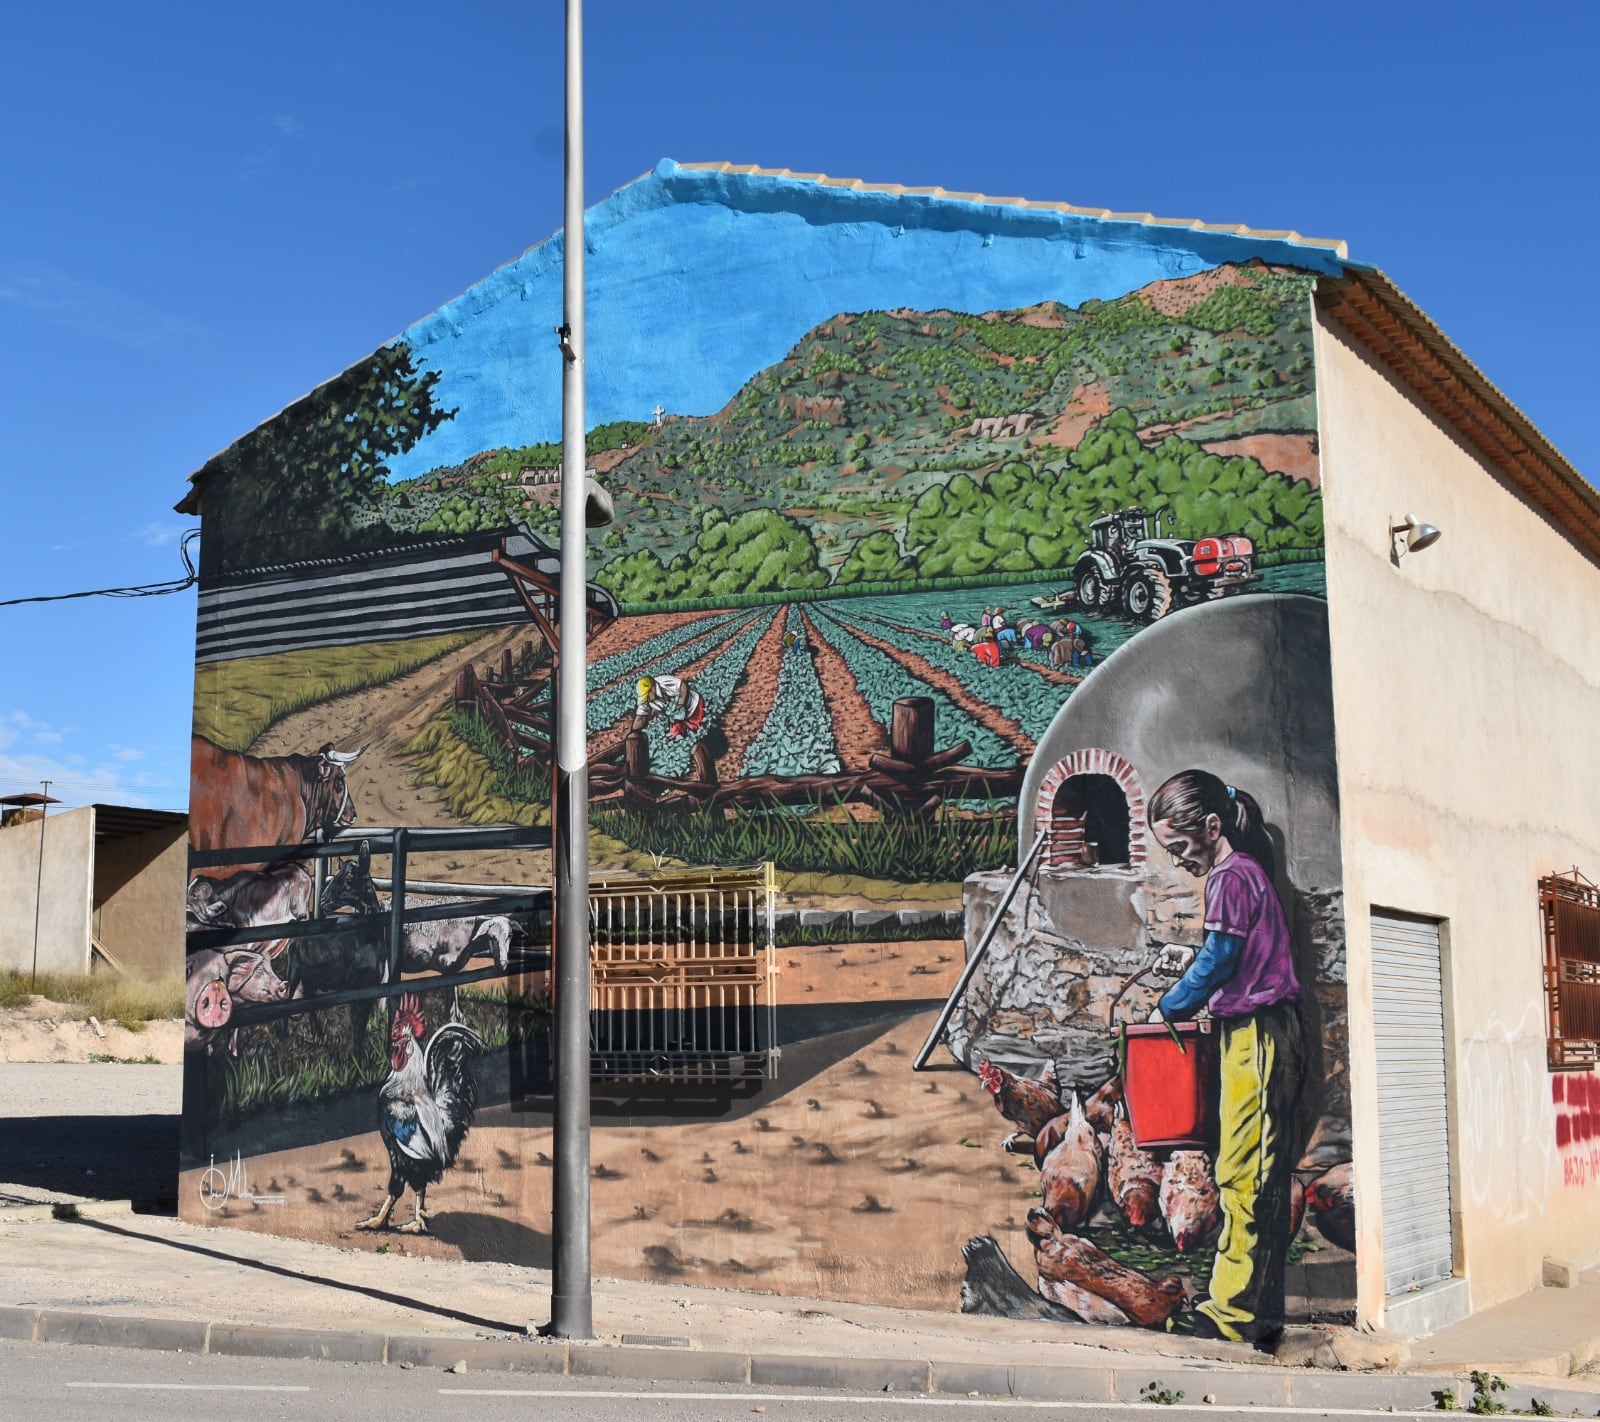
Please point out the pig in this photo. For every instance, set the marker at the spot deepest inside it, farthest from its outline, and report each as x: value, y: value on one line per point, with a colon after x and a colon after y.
x: 1189, y: 1200
x: 214, y: 981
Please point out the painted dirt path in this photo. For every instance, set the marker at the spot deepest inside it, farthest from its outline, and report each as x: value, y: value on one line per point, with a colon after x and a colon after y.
x: 925, y: 671
x: 855, y: 731
x: 383, y: 720
x: 757, y: 692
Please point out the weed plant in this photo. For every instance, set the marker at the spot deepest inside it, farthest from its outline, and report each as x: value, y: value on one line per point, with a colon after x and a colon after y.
x: 937, y: 849
x: 84, y: 995
x: 314, y: 1059
x: 524, y: 779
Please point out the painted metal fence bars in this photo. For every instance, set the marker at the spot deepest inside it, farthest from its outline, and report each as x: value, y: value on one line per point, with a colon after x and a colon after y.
x: 685, y: 975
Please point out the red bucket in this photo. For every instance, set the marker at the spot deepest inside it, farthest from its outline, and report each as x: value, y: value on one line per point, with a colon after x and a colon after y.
x: 1172, y: 1093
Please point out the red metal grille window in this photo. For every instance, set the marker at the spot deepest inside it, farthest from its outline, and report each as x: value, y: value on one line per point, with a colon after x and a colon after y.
x: 1569, y: 906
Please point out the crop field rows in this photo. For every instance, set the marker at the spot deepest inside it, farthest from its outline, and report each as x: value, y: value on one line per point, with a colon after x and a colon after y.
x: 716, y: 683
x: 1015, y: 689
x: 883, y: 681
x: 797, y: 738
x: 618, y: 674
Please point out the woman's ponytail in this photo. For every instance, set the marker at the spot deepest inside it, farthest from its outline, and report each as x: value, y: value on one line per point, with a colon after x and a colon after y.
x: 1189, y: 796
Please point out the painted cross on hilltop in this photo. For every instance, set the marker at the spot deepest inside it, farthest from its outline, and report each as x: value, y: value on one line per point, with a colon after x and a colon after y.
x: 659, y: 412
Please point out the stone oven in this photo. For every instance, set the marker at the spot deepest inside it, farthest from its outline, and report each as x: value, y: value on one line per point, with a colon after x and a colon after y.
x: 1239, y: 687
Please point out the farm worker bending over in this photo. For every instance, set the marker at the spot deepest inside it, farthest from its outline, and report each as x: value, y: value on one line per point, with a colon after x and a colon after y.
x: 671, y: 694
x: 1244, y: 972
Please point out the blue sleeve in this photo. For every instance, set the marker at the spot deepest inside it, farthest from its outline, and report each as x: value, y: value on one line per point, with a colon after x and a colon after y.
x: 1213, y: 965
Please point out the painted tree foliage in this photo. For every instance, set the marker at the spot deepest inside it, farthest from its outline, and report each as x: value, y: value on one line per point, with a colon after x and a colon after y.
x: 311, y: 480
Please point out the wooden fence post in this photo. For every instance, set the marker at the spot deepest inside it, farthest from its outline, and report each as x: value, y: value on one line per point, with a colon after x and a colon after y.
x: 911, y: 729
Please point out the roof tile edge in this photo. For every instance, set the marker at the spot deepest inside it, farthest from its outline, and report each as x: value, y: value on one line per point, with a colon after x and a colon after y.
x: 1336, y: 245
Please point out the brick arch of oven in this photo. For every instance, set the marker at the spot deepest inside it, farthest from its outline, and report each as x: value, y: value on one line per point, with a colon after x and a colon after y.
x: 1064, y: 848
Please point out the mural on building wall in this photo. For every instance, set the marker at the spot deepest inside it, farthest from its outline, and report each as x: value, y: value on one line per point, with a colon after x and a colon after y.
x: 839, y: 624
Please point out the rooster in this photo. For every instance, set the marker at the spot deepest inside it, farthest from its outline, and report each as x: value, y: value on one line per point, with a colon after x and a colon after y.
x: 425, y: 1108
x: 1332, y: 1199
x: 1026, y: 1104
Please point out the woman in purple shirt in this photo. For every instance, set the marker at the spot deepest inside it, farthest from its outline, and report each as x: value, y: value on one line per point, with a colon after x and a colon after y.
x: 1244, y: 974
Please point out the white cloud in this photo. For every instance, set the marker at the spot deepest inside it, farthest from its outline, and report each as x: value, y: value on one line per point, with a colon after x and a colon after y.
x: 95, y: 311
x: 159, y: 533
x: 289, y: 125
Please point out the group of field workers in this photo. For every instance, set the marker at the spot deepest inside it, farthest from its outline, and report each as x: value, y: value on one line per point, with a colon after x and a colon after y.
x: 994, y: 639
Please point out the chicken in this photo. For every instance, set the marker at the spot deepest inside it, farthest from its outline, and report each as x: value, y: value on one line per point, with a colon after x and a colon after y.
x: 425, y: 1108
x: 1101, y: 1108
x: 1297, y: 1205
x: 1332, y: 1199
x: 1189, y: 1200
x: 1026, y: 1104
x: 1072, y: 1173
x: 1134, y: 1175
x: 1081, y: 1276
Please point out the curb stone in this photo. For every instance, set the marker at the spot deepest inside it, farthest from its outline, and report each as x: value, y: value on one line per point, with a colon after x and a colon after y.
x: 1231, y: 1389
x: 856, y: 1374
x: 174, y: 1335
x: 482, y: 1355
x: 260, y: 1341
x: 658, y: 1365
x: 18, y: 1324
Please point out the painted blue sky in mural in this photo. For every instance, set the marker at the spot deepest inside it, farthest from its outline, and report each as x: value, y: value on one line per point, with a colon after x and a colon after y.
x: 211, y: 209
x: 700, y: 279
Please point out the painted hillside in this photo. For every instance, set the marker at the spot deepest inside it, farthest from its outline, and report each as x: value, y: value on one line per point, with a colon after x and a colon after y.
x: 892, y: 447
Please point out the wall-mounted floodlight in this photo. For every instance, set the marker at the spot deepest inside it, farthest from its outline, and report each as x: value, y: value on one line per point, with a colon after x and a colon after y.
x: 1411, y: 536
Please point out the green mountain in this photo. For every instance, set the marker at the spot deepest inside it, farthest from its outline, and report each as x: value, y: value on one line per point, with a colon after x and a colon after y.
x: 897, y: 446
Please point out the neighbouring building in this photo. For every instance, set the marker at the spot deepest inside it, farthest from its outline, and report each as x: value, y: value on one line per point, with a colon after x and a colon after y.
x: 1035, y: 587
x: 95, y: 889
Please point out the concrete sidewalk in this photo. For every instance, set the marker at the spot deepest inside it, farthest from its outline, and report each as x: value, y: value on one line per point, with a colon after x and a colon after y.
x: 114, y: 1277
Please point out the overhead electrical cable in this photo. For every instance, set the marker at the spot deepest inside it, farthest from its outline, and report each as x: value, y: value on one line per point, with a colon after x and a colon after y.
x: 146, y: 589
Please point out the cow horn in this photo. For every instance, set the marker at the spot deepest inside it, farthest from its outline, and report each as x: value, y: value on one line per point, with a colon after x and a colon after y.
x: 342, y: 757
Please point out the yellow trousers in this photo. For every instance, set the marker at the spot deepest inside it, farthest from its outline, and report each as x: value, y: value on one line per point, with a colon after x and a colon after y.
x: 1263, y: 1068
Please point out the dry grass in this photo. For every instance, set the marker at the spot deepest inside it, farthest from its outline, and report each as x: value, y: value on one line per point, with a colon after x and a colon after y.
x: 110, y: 999
x: 234, y: 702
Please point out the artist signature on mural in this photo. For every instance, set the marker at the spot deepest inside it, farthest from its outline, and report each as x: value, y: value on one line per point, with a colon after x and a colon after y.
x: 218, y: 1186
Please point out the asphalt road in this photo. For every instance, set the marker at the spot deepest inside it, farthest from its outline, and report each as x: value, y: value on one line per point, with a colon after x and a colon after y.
x: 64, y: 1383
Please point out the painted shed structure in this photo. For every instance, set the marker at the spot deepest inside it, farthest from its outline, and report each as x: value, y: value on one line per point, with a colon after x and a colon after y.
x: 1032, y: 587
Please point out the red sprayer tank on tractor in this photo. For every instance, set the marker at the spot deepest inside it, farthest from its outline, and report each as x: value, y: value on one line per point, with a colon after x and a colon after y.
x: 1129, y: 567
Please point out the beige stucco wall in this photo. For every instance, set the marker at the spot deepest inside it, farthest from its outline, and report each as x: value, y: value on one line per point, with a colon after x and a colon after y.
x: 138, y: 900
x: 65, y: 904
x: 1466, y: 699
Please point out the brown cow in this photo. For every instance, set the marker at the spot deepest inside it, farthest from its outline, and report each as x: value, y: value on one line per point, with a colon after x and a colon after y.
x: 239, y: 801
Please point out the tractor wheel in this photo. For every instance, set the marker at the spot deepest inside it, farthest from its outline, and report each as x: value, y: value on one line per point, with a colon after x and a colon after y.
x: 1091, y: 590
x: 1148, y: 595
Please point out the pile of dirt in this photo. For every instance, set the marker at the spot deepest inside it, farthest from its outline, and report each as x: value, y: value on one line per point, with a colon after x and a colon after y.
x: 46, y: 1031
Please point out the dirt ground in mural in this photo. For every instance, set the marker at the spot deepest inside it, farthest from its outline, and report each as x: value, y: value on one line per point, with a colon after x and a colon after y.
x: 828, y: 1190
x: 381, y: 721
x: 861, y: 1182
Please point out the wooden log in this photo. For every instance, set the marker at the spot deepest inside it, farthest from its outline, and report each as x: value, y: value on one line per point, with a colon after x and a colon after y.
x: 636, y: 751
x: 466, y: 685
x: 703, y: 765
x: 505, y: 665
x: 911, y: 729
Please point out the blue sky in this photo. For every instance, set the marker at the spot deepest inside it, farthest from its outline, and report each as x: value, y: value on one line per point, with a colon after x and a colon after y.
x: 210, y: 209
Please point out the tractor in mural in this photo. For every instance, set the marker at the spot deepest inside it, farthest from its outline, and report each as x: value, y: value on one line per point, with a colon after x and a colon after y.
x: 1129, y: 567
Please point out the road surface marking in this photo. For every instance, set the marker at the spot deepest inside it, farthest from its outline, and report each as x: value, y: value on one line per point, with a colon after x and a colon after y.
x: 917, y: 1400
x: 189, y: 1387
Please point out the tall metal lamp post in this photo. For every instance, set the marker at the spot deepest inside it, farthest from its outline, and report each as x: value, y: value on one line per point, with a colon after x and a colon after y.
x: 571, y: 1294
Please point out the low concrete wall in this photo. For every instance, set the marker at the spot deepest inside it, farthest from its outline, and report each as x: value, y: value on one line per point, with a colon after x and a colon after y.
x: 64, y: 906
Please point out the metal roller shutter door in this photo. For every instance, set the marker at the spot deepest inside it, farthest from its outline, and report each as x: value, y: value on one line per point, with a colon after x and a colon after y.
x: 1413, y: 1125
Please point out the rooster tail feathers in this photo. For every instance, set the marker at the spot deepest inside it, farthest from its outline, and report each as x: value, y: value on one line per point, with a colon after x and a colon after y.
x: 1075, y: 1110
